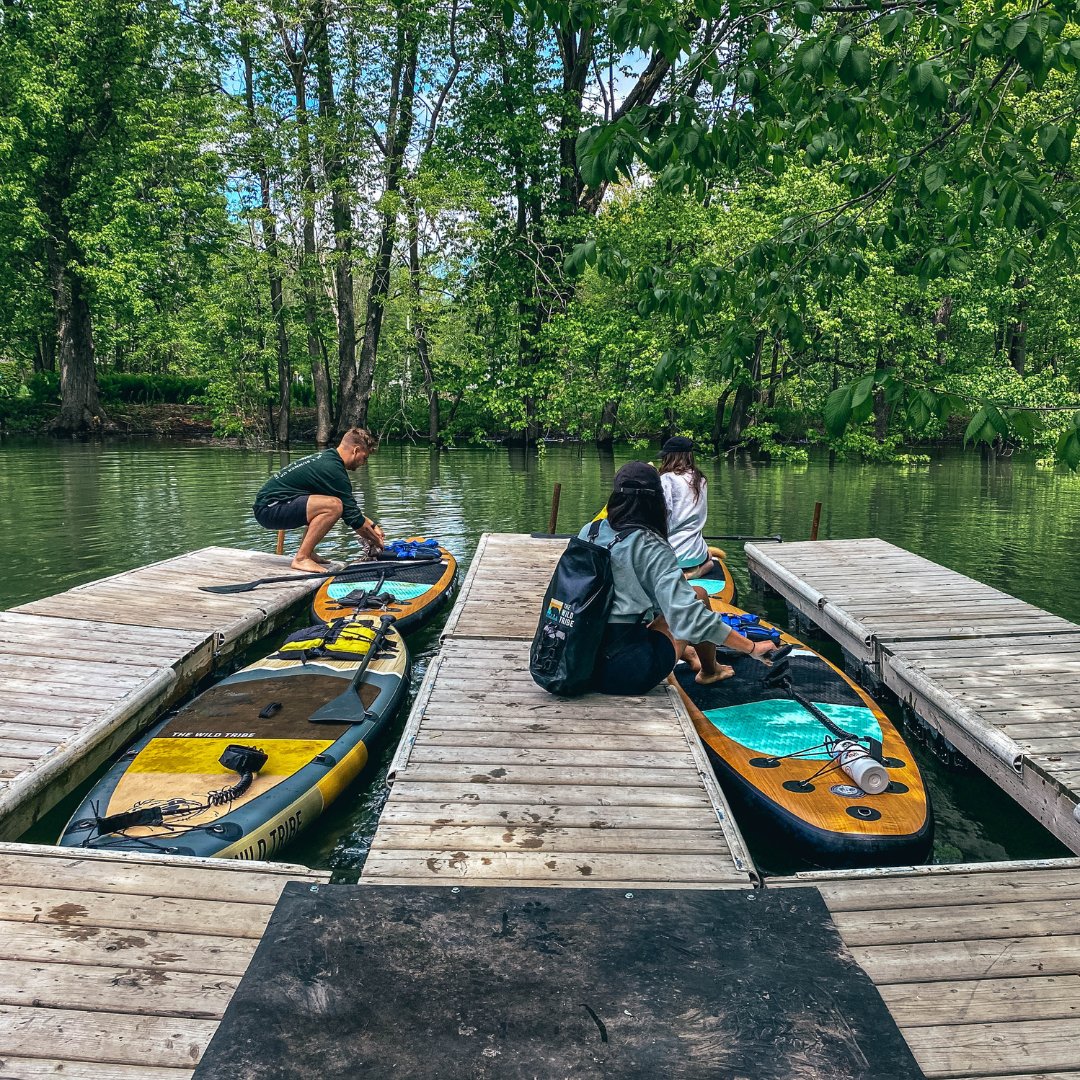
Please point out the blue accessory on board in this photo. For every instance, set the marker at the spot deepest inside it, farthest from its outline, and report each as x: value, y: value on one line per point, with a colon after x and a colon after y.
x: 413, y: 549
x: 750, y: 627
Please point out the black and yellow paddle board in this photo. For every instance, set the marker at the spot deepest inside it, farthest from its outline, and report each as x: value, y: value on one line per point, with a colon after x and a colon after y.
x: 412, y: 590
x: 772, y: 756
x: 171, y: 793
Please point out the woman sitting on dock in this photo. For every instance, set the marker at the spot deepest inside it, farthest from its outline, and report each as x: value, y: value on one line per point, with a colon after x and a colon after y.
x: 656, y: 612
x: 686, y: 493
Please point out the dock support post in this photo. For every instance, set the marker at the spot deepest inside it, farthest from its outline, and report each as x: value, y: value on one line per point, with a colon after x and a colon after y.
x: 280, y: 549
x: 817, y: 521
x: 554, y: 519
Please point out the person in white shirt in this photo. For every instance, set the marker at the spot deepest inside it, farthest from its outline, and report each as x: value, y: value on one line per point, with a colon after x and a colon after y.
x: 686, y: 493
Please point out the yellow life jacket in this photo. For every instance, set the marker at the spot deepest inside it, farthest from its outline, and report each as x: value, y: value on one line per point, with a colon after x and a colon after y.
x: 342, y: 639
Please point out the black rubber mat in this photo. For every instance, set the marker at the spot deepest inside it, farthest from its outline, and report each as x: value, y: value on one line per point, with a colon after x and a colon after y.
x: 418, y: 573
x: 394, y: 981
x: 811, y: 676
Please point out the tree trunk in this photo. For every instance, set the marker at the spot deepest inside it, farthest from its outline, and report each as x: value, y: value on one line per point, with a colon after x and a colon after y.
x: 296, y: 60
x: 718, y: 419
x: 605, y: 432
x: 770, y: 393
x: 80, y: 407
x: 881, y: 410
x: 356, y: 385
x: 45, y: 353
x: 576, y: 52
x: 1017, y: 334
x: 337, y: 174
x: 423, y: 352
x: 942, y: 318
x: 671, y: 419
x: 279, y: 425
x: 744, y: 396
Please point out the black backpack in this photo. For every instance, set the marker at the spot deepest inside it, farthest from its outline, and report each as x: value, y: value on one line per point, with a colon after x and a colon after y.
x: 574, y: 616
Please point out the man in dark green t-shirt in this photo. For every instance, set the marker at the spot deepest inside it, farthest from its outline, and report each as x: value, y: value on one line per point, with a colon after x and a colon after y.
x: 316, y: 492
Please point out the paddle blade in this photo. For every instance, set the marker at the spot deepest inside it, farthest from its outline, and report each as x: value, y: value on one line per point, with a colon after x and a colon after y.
x: 248, y: 586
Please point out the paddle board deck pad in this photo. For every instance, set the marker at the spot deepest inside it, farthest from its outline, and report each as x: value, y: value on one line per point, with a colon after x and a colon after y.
x: 412, y: 591
x: 718, y: 582
x: 265, y: 708
x: 806, y: 801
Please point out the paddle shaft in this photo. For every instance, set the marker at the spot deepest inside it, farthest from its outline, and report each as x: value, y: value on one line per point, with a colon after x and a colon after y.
x: 348, y: 571
x: 385, y: 622
x: 777, y: 539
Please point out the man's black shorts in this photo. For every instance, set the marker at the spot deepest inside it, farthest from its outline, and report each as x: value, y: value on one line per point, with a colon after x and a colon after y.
x: 286, y: 514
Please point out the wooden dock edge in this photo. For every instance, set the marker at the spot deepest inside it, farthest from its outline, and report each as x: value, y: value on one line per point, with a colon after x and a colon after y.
x: 450, y: 626
x: 737, y: 845
x: 187, y: 862
x: 1004, y: 866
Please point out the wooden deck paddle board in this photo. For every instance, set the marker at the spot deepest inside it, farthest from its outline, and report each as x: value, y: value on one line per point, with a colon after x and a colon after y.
x: 812, y: 806
x: 412, y: 591
x: 267, y: 705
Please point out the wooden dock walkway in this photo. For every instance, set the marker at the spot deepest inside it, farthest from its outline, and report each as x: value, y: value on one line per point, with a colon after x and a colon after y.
x: 83, y: 671
x: 498, y: 782
x: 119, y: 967
x: 996, y: 676
x: 979, y: 965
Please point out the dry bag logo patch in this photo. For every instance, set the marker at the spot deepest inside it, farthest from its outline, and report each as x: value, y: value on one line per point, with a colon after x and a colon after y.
x: 557, y: 612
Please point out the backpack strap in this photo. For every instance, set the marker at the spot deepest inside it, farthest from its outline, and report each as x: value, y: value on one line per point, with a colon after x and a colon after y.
x: 594, y: 532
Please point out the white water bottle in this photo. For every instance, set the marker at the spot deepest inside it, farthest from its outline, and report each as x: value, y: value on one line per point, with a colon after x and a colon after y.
x: 853, y: 758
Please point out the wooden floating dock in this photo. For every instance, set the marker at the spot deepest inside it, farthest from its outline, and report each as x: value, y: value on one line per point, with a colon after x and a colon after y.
x: 497, y: 782
x: 120, y: 966
x: 83, y: 671
x: 996, y: 676
x: 978, y: 964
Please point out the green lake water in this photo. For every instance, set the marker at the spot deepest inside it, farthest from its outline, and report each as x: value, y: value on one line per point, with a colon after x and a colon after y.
x: 73, y: 512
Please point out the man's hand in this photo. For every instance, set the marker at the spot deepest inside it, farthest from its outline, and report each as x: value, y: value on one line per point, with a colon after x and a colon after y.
x: 763, y: 650
x: 370, y: 534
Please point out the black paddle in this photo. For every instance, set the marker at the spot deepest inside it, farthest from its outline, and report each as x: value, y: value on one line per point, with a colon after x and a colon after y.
x: 777, y: 539
x: 368, y: 570
x: 342, y: 709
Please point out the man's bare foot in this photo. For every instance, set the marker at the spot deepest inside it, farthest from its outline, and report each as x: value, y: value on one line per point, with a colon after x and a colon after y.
x: 309, y: 565
x: 320, y: 560
x: 722, y: 672
x: 691, y: 657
